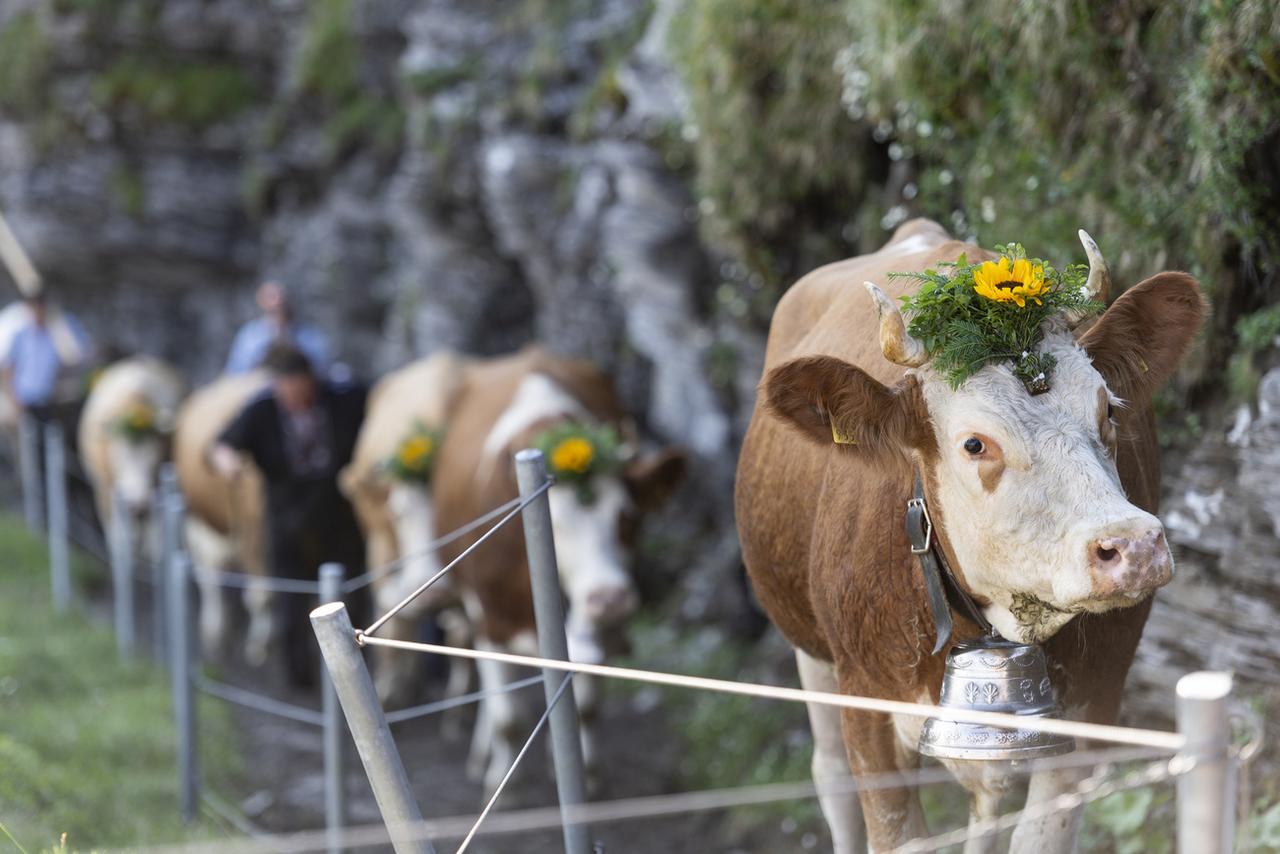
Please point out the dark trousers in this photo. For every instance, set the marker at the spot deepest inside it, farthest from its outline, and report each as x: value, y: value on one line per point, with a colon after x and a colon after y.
x: 311, y: 526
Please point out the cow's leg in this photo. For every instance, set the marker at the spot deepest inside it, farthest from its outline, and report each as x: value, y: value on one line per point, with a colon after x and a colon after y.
x: 986, y: 783
x: 259, y: 603
x: 1056, y: 832
x: 481, y: 738
x: 586, y: 691
x: 503, y: 714
x: 842, y: 810
x: 893, y: 815
x: 457, y: 633
x: 210, y: 552
x: 396, y: 668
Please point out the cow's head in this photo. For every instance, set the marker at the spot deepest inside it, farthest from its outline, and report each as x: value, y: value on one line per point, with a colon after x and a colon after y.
x: 593, y: 535
x: 404, y: 510
x: 1026, y: 487
x: 137, y: 443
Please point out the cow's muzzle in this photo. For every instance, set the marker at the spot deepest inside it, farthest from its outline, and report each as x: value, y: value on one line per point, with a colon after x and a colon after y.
x: 609, y: 605
x: 1129, y: 565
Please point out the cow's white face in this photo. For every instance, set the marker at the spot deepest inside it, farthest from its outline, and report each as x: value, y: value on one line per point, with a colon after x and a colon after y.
x: 592, y: 557
x: 1031, y: 497
x: 413, y: 518
x: 135, y: 464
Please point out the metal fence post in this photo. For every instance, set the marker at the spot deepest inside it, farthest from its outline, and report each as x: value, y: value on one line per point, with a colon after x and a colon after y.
x: 544, y: 576
x: 55, y: 470
x: 369, y: 729
x: 121, y: 550
x: 331, y: 576
x: 167, y: 484
x: 1206, y: 794
x: 29, y: 469
x: 184, y: 704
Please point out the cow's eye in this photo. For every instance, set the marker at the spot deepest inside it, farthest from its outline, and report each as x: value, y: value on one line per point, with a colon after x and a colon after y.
x: 1111, y: 411
x: 973, y: 445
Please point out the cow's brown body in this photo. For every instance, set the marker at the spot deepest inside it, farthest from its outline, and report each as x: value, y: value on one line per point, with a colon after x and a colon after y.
x: 823, y: 537
x: 226, y: 530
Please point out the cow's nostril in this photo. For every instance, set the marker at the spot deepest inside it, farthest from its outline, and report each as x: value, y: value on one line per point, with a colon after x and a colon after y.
x: 1107, y: 555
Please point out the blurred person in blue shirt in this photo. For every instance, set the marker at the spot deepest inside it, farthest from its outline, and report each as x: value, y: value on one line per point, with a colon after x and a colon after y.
x: 49, y: 349
x: 276, y: 325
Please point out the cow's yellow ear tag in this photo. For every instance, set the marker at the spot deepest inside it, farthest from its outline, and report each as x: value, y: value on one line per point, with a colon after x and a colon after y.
x: 841, y: 438
x: 1142, y: 364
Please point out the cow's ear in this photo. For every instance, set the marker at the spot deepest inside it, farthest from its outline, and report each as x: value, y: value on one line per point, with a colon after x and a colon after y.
x: 1141, y: 339
x: 833, y: 403
x: 652, y: 478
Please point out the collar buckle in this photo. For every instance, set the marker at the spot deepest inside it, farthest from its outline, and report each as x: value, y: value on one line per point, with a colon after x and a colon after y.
x: 920, y: 527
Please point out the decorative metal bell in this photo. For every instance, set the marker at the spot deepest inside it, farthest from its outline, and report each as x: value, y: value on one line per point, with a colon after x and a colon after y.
x: 994, y: 675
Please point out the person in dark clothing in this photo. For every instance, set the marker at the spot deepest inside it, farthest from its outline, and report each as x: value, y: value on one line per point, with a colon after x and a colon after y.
x: 300, y: 434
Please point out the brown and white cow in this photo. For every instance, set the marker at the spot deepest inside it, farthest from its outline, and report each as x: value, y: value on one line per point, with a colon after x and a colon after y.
x: 123, y: 464
x: 225, y: 530
x: 398, y: 518
x: 1043, y: 505
x: 504, y: 405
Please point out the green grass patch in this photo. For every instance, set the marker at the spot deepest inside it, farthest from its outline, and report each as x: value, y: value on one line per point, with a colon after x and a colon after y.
x: 729, y: 741
x: 87, y: 744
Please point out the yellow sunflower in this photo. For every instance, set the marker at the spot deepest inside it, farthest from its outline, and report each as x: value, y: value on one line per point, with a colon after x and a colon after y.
x: 1003, y: 281
x: 140, y: 418
x: 415, y: 451
x: 575, y: 454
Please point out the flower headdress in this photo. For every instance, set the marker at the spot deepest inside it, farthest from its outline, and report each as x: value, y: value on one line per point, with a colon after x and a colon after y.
x: 138, y: 421
x: 966, y: 315
x: 578, y: 453
x: 415, y: 457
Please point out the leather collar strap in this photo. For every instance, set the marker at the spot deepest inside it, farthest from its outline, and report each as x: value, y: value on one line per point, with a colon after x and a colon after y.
x: 945, y: 593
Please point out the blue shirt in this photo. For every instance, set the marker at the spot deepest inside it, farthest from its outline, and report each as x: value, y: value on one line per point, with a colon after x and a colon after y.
x: 255, y: 338
x: 35, y: 362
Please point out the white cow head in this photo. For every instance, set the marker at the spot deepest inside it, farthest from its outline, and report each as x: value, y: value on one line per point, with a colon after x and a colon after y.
x: 136, y: 446
x: 1026, y: 488
x: 592, y: 527
x: 411, y: 513
x: 593, y: 534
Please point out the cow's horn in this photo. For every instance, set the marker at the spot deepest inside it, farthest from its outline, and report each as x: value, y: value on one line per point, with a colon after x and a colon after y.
x: 1098, y: 286
x: 898, y: 345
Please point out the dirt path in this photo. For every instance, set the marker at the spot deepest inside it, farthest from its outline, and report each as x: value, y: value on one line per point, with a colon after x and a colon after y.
x: 282, y: 788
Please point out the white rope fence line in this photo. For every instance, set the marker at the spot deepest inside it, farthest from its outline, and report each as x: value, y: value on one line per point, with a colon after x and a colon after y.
x: 649, y: 806
x: 1169, y: 741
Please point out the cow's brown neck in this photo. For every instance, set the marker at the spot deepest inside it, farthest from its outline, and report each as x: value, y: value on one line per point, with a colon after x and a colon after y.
x: 940, y: 583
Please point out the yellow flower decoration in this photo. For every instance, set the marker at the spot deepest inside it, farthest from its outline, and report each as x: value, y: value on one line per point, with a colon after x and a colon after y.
x: 574, y: 454
x: 137, y: 422
x: 415, y: 456
x: 416, y: 450
x: 140, y: 418
x: 1005, y: 282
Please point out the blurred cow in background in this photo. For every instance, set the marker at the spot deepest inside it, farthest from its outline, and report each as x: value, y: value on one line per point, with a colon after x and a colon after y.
x: 124, y: 435
x: 225, y: 525
x: 388, y: 482
x: 568, y: 408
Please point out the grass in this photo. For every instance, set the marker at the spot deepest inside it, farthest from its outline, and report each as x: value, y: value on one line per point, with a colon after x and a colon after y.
x: 86, y: 743
x: 729, y: 740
